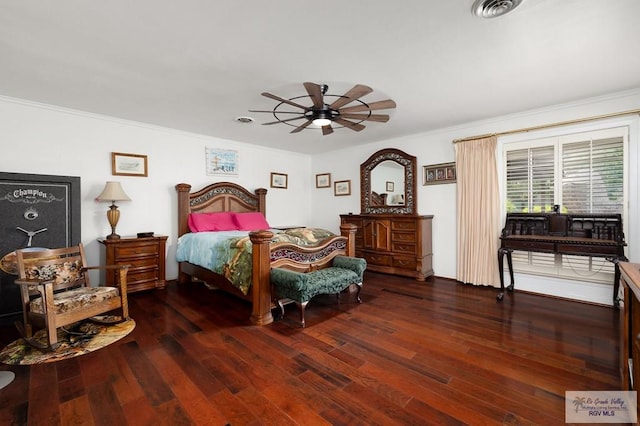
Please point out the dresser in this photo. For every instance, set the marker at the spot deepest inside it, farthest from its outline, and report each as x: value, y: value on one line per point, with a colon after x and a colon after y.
x: 630, y: 326
x: 146, y: 257
x: 394, y: 244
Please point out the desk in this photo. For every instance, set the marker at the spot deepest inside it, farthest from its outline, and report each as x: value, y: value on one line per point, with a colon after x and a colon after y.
x: 582, y: 235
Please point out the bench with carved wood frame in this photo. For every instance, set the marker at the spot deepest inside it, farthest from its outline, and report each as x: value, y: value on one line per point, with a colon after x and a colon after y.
x: 301, y: 287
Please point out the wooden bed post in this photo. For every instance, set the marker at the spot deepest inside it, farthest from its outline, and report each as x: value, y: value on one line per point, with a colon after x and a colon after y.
x: 261, y: 282
x: 183, y: 226
x: 348, y: 230
x: 262, y: 200
x: 183, y: 207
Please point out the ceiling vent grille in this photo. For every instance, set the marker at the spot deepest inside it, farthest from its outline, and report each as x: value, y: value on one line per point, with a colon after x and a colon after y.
x: 493, y: 8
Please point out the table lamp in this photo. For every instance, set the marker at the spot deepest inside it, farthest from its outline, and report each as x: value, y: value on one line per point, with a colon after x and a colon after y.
x: 113, y: 192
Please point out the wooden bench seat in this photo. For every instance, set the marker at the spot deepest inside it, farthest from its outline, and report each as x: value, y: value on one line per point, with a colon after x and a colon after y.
x: 301, y: 287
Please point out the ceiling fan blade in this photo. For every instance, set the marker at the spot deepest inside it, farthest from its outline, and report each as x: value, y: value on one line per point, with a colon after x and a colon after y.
x: 356, y: 92
x: 315, y: 92
x: 283, y: 121
x: 369, y: 107
x: 381, y: 118
x: 353, y: 126
x: 327, y: 130
x: 286, y: 101
x: 301, y: 127
x: 276, y: 112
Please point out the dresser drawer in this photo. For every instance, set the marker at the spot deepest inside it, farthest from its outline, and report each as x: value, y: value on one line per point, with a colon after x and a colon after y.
x: 136, y: 250
x: 402, y: 225
x: 403, y: 248
x: 378, y: 259
x: 404, y: 262
x: 408, y: 237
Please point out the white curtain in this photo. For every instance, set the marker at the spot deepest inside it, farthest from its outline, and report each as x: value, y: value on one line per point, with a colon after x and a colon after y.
x: 478, y: 212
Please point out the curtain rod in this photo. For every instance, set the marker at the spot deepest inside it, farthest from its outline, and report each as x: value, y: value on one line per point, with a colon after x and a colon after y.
x: 546, y: 126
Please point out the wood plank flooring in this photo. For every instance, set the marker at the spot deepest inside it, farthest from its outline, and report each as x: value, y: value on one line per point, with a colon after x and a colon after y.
x: 412, y: 353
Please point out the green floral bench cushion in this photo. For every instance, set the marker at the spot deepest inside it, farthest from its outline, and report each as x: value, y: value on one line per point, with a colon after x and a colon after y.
x: 356, y: 264
x: 71, y: 300
x: 302, y: 287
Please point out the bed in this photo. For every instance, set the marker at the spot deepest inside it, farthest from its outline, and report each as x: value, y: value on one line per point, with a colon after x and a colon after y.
x: 266, y: 249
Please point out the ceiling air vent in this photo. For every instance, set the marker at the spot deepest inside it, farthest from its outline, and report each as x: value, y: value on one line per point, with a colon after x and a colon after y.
x: 493, y: 8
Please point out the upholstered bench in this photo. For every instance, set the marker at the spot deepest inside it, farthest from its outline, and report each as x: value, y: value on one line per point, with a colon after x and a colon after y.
x: 301, y: 287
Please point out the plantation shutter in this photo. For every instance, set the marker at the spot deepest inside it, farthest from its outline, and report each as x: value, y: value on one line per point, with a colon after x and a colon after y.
x: 582, y: 172
x: 592, y: 182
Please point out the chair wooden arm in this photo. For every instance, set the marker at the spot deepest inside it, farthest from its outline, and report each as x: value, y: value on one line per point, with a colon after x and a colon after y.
x: 122, y: 275
x: 33, y: 282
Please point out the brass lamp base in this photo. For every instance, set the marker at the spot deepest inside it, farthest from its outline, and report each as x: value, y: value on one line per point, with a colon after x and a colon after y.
x: 113, y: 216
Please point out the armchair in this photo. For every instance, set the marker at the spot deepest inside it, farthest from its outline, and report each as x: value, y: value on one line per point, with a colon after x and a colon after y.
x: 55, y: 292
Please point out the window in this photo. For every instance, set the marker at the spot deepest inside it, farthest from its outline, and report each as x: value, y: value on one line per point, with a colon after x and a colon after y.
x: 582, y: 173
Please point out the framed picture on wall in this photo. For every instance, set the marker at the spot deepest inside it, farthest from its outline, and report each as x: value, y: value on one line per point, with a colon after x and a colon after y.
x: 439, y: 173
x: 342, y: 187
x: 323, y: 180
x: 128, y: 164
x: 279, y: 180
x: 222, y: 161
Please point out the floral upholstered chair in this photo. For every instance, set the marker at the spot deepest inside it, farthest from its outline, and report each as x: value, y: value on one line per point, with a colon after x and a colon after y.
x: 56, y: 292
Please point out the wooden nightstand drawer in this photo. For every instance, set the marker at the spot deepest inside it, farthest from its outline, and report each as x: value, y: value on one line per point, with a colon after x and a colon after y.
x: 146, y: 257
x: 135, y: 277
x: 136, y: 250
x: 142, y: 262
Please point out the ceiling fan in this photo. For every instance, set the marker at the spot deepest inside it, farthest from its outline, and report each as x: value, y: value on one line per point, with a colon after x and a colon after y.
x: 326, y: 115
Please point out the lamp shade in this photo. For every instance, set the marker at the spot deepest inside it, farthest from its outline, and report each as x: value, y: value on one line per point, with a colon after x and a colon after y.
x: 113, y: 192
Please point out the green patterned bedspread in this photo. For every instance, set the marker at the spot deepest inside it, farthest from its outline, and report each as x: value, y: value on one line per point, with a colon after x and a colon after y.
x: 230, y: 253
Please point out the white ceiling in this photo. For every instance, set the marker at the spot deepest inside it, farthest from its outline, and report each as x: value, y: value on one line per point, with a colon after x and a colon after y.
x: 196, y: 65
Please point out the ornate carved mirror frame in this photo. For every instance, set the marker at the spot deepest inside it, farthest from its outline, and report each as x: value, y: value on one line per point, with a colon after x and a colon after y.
x: 408, y: 162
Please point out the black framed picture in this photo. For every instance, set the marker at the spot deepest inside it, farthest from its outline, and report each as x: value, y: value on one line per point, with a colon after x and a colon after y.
x: 36, y: 211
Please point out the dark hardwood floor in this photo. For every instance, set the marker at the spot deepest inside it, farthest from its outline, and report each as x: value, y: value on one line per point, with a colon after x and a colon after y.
x: 412, y: 353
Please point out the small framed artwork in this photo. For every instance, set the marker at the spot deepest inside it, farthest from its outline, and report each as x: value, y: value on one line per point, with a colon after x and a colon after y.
x: 279, y: 180
x: 439, y: 173
x: 323, y: 180
x: 128, y: 164
x: 390, y: 186
x: 342, y: 187
x: 221, y: 161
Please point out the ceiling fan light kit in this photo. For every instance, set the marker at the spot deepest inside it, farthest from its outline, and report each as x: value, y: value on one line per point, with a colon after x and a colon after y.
x: 327, y: 116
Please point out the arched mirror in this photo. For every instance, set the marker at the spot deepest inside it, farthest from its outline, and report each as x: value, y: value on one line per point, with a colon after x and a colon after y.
x: 388, y: 183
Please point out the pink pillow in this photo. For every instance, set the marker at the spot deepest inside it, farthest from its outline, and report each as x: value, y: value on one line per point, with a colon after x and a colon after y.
x: 202, y: 222
x: 251, y: 221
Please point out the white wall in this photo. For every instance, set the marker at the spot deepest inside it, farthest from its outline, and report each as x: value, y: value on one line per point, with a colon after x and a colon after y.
x: 42, y: 139
x: 440, y: 200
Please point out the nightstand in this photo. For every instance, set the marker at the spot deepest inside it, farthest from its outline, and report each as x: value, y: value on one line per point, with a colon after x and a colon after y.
x: 146, y: 257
